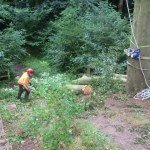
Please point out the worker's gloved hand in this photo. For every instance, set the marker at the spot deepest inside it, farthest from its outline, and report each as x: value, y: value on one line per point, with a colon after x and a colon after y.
x: 28, y: 91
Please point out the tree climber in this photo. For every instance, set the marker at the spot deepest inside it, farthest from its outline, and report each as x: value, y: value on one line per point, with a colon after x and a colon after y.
x: 23, y: 81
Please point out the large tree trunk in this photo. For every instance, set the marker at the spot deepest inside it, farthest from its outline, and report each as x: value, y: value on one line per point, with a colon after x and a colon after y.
x: 141, y: 25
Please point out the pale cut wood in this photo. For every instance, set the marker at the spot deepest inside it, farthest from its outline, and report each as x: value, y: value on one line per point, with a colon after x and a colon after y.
x: 76, y: 88
x: 84, y: 80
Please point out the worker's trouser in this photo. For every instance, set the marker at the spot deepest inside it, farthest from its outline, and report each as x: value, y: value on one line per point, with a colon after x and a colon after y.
x: 21, y: 90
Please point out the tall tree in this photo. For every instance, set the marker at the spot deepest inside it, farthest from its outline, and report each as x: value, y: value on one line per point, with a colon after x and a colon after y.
x: 141, y: 27
x: 120, y: 5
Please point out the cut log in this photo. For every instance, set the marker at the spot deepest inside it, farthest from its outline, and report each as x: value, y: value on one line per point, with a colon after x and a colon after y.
x: 80, y: 89
x: 120, y: 77
x: 75, y: 88
x: 82, y: 84
x: 84, y: 80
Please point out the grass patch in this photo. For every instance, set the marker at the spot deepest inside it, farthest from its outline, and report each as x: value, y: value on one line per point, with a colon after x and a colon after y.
x: 38, y: 66
x: 11, y: 119
x: 51, y: 111
x: 88, y: 137
x: 137, y: 118
x: 107, y: 86
x: 119, y: 128
x: 144, y: 131
x: 120, y: 97
x: 134, y: 106
x: 109, y: 114
x: 142, y: 117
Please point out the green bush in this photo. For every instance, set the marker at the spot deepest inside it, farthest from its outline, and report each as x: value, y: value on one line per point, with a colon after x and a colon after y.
x: 11, y: 48
x: 107, y: 86
x: 52, y: 118
x: 92, y: 138
x: 52, y: 113
x: 38, y: 65
x: 6, y: 15
x: 8, y: 93
x: 81, y: 36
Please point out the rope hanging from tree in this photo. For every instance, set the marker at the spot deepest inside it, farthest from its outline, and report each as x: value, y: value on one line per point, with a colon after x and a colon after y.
x: 144, y: 94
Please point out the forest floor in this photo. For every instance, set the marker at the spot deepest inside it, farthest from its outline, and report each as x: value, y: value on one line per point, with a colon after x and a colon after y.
x: 127, y: 123
x: 4, y: 143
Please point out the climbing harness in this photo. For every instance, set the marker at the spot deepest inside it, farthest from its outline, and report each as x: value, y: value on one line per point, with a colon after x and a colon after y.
x: 135, y: 54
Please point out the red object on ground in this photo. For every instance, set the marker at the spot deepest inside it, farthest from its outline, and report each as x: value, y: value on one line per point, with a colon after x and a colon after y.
x: 87, y: 90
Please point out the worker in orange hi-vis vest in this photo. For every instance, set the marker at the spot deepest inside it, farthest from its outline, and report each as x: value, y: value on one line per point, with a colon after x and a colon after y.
x: 22, y: 82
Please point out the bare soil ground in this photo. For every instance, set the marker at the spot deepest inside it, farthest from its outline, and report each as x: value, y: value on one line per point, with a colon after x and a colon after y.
x: 29, y: 144
x: 4, y: 143
x: 126, y: 122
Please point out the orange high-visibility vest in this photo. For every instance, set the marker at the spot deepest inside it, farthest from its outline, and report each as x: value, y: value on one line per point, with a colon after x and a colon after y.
x: 24, y: 79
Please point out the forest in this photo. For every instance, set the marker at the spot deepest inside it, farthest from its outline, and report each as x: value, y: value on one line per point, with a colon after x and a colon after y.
x: 83, y: 83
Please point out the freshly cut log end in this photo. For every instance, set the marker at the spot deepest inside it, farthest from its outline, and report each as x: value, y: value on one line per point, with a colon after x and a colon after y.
x: 80, y: 89
x: 87, y: 90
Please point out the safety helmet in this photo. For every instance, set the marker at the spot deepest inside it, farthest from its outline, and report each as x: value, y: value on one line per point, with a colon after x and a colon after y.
x: 29, y: 71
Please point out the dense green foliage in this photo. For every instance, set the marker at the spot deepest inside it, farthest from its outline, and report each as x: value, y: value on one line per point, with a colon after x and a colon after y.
x: 38, y: 65
x: 21, y: 28
x: 66, y: 35
x: 11, y: 48
x: 82, y: 36
x: 12, y: 41
x: 70, y: 34
x: 54, y: 115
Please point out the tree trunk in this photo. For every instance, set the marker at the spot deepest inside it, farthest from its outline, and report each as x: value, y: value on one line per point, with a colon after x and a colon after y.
x: 120, y: 5
x: 141, y: 25
x: 88, y: 71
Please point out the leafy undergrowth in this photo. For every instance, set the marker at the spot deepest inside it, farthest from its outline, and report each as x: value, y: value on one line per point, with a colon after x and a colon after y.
x: 49, y: 116
x: 87, y: 137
